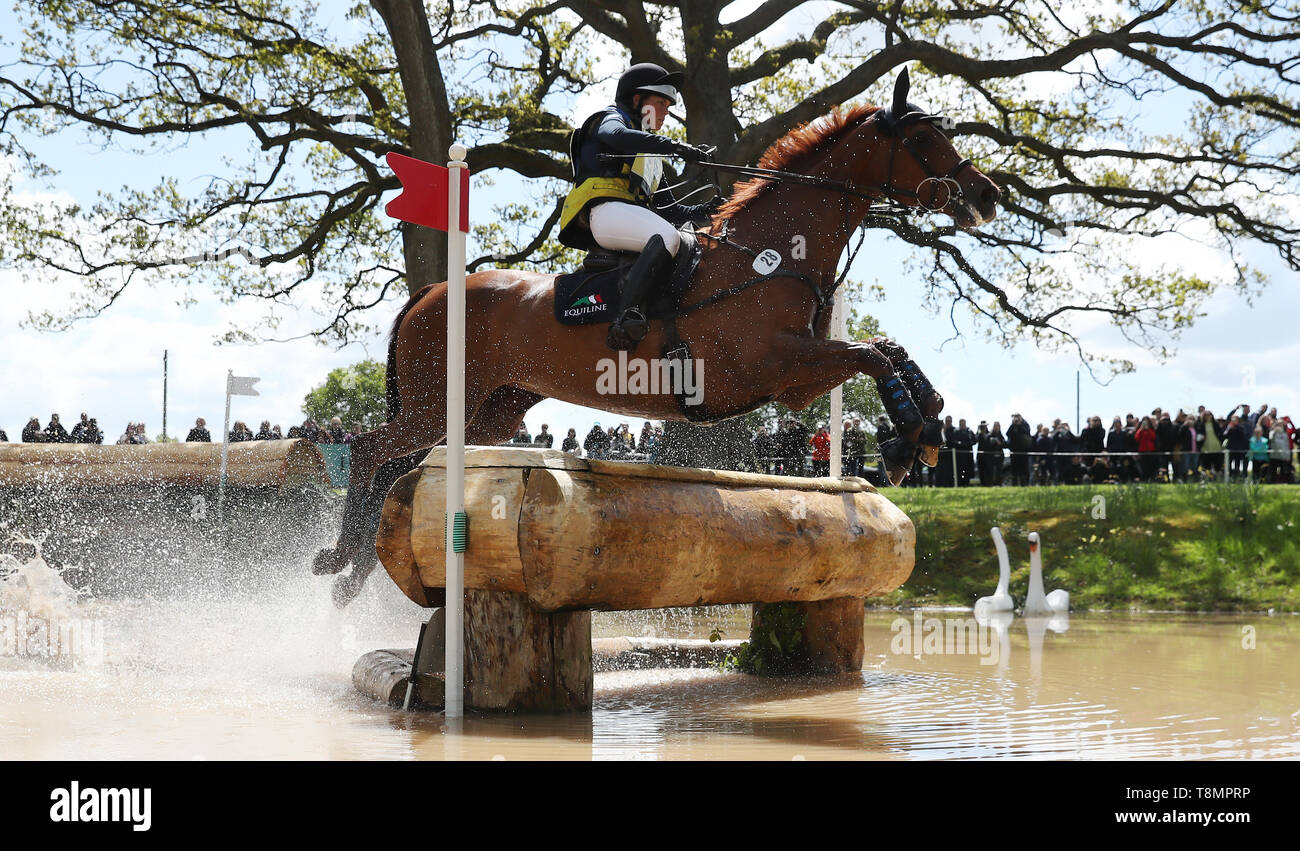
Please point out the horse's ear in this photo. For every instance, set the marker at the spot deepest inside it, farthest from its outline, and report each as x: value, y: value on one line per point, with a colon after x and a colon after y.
x: 901, y: 87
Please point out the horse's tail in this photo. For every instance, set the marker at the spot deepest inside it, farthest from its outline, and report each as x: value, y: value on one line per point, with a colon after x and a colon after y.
x: 392, y: 398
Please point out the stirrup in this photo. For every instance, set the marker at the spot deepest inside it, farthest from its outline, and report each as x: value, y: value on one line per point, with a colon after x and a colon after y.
x: 634, y: 322
x: 627, y: 330
x: 902, y: 411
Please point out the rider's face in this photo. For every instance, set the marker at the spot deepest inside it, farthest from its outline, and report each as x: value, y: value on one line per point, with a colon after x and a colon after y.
x: 652, y: 111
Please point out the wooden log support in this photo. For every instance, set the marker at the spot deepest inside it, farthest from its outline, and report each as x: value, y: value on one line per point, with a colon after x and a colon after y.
x: 393, y: 542
x: 520, y: 657
x: 832, y: 634
x: 382, y: 675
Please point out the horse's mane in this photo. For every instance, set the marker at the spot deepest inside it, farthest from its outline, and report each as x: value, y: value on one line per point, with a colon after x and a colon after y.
x: 790, y: 151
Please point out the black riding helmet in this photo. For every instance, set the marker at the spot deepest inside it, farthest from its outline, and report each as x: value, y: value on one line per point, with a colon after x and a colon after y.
x: 648, y: 78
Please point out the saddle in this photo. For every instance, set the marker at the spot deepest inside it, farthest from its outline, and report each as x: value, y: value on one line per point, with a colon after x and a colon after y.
x: 590, y: 295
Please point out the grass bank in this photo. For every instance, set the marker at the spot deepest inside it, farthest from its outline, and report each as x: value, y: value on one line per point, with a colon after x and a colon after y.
x: 1170, y: 547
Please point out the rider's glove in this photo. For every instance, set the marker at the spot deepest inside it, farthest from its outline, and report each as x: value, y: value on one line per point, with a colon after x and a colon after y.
x: 690, y: 153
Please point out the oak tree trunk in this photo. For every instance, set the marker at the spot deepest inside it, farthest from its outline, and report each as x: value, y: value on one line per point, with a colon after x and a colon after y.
x: 429, y: 117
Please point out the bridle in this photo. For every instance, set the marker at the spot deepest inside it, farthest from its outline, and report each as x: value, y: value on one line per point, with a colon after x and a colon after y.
x: 948, y: 181
x: 890, y: 126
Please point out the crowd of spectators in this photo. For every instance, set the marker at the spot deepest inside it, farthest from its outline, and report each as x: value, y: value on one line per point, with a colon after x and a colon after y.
x: 1256, y: 445
x: 309, y: 430
x: 1245, y: 445
x: 610, y: 443
x: 88, y: 431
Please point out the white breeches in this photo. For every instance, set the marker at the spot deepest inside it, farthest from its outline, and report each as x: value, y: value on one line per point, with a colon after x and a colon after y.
x: 627, y: 227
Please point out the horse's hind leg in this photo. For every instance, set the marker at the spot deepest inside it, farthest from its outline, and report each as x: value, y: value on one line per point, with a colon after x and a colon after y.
x: 397, y: 448
x: 498, y: 418
x: 494, y: 421
x: 415, y: 428
x: 368, y: 452
x: 362, y: 554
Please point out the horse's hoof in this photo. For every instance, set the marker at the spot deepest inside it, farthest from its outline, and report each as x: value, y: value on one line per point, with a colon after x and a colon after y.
x: 899, y: 455
x: 327, y: 562
x: 346, y: 588
x: 928, y: 455
x: 930, y: 442
x: 931, y: 405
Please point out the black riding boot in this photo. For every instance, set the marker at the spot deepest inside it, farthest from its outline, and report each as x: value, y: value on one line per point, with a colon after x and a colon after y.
x: 631, y: 325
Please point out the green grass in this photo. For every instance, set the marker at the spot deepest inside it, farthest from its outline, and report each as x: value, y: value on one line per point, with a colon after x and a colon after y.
x: 1208, y: 547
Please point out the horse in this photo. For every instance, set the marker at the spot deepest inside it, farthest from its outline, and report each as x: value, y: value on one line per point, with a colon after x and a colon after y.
x: 761, y: 337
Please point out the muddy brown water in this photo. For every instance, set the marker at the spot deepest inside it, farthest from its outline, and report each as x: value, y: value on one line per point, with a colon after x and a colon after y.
x: 266, y: 675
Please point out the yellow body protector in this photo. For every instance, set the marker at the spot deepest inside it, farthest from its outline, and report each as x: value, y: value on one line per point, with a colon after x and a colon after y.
x: 635, y: 182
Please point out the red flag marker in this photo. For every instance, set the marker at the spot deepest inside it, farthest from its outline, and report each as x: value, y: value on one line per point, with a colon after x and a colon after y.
x: 424, y: 193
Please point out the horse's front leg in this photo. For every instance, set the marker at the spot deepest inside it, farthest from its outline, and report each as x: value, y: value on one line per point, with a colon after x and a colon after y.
x: 816, y: 366
x: 812, y: 367
x: 923, y: 392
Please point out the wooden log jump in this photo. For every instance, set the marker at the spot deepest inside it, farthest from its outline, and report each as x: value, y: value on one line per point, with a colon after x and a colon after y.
x: 553, y: 537
x: 122, y: 517
x: 259, y: 463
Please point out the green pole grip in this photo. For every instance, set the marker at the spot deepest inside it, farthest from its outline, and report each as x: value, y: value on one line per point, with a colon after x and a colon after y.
x: 459, y: 532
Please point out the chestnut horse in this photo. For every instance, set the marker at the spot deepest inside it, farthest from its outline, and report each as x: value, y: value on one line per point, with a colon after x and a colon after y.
x: 762, y: 337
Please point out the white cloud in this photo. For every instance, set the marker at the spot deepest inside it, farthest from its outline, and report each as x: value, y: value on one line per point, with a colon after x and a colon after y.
x: 111, y: 367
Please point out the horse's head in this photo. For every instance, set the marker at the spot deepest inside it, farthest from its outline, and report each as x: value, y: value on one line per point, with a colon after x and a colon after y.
x: 923, y: 169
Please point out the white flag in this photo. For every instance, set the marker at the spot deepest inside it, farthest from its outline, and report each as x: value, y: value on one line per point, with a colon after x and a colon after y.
x: 242, y: 385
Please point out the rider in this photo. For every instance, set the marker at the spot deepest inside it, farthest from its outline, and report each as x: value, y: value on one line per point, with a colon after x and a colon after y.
x: 610, y: 203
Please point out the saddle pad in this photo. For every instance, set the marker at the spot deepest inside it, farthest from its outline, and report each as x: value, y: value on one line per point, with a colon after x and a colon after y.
x: 583, y: 298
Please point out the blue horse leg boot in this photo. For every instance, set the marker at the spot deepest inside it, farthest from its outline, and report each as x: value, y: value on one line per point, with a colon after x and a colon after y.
x: 923, y: 392
x: 902, y: 411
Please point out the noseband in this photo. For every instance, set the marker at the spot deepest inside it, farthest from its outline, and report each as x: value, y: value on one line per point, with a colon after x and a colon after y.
x: 952, y: 190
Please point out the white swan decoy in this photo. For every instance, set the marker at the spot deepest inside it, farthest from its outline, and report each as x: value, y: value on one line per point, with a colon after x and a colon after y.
x: 1001, y: 600
x: 1038, y: 603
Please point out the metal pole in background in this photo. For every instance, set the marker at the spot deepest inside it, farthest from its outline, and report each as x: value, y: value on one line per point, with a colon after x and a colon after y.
x: 225, y: 449
x: 1077, y: 421
x: 455, y: 673
x: 836, y: 425
x: 236, y: 385
x: 164, y: 395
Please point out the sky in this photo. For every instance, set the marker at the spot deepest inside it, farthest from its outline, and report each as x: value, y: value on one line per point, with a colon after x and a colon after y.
x: 112, y: 367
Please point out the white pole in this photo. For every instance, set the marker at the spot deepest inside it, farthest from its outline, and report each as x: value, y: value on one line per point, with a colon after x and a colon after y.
x: 225, y: 448
x: 455, y: 675
x: 837, y: 395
